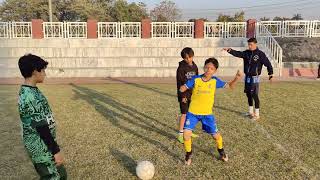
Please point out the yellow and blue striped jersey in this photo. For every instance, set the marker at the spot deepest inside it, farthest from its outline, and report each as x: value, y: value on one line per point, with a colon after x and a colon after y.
x: 202, y: 99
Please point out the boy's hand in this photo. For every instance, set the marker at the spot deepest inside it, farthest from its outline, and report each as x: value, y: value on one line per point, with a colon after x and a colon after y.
x: 238, y: 75
x: 226, y: 49
x: 232, y: 83
x: 271, y: 78
x: 184, y: 100
x: 183, y: 88
x: 58, y: 159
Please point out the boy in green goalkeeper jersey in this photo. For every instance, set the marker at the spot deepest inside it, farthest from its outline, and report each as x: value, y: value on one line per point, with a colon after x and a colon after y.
x: 38, y: 125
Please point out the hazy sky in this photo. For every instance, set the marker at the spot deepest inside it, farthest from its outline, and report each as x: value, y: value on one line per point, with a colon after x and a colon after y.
x: 310, y: 9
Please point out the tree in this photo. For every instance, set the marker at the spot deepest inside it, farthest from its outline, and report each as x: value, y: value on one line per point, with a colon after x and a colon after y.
x: 81, y: 10
x: 264, y: 19
x: 238, y: 17
x: 122, y: 11
x: 224, y: 18
x: 138, y: 11
x: 21, y: 10
x: 166, y: 11
x: 194, y: 20
x: 277, y: 18
x: 62, y: 11
x: 297, y: 17
x: 72, y: 10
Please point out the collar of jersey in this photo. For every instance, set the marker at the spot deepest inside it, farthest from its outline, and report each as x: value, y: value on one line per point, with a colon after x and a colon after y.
x: 204, y: 80
x: 29, y: 86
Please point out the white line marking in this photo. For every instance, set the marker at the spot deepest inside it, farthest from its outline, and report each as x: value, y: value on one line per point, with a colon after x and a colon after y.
x: 310, y: 171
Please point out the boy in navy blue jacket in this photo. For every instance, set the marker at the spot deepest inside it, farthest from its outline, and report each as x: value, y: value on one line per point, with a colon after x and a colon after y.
x: 253, y: 60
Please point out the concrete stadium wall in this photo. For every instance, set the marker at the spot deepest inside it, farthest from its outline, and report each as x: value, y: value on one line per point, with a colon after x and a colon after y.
x: 300, y: 69
x: 117, y: 57
x: 295, y: 65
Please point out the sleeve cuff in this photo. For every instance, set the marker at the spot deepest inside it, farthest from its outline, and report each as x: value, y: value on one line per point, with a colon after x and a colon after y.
x: 55, y: 150
x: 225, y: 85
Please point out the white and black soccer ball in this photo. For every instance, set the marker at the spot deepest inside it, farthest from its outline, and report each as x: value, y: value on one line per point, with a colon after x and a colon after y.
x: 145, y: 170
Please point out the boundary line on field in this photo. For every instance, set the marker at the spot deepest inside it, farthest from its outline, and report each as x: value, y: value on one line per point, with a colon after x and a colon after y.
x: 310, y: 171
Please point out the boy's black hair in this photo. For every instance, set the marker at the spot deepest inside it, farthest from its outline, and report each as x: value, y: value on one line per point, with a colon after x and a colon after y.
x: 187, y: 51
x: 212, y: 60
x: 29, y: 63
x: 254, y: 40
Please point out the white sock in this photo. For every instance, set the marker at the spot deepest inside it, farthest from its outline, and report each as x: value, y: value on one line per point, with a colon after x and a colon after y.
x: 250, y: 109
x: 257, y: 112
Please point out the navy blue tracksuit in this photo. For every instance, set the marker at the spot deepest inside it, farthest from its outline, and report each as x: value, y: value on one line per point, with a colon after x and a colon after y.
x: 253, y: 62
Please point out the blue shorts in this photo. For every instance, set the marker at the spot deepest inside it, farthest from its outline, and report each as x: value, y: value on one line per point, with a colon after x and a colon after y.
x: 208, y: 123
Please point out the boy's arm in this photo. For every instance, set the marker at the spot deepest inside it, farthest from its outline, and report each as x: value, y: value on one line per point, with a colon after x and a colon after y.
x: 189, y: 85
x: 232, y: 84
x: 47, y: 138
x: 40, y: 123
x: 180, y: 80
x: 265, y: 61
x: 52, y: 145
x: 235, y: 53
x: 197, y: 72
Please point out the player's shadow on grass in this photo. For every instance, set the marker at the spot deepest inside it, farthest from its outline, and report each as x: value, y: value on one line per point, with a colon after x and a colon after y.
x: 126, y: 161
x: 126, y: 109
x: 99, y: 101
x: 143, y: 87
x: 228, y: 109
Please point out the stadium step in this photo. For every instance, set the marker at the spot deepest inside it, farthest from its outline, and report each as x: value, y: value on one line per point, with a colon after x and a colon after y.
x: 125, y: 42
x: 83, y: 52
x: 117, y: 72
x: 65, y: 62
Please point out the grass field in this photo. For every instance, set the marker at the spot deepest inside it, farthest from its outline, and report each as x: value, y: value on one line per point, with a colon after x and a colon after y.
x: 105, y: 129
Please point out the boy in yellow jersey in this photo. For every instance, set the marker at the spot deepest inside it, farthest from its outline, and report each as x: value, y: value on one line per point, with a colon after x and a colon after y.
x: 202, y: 101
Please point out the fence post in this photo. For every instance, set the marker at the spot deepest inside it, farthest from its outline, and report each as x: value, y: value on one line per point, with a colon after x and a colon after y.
x: 257, y: 29
x: 92, y: 29
x: 66, y: 30
x: 199, y: 29
x: 283, y: 28
x: 37, y: 28
x: 119, y: 30
x: 226, y: 30
x: 10, y: 30
x: 311, y: 29
x: 146, y: 28
x: 251, y: 27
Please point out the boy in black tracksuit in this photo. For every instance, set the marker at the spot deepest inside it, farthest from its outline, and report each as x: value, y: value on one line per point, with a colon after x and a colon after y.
x: 186, y: 70
x: 253, y: 59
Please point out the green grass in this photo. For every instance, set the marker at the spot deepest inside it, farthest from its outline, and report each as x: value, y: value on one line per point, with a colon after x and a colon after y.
x: 104, y: 130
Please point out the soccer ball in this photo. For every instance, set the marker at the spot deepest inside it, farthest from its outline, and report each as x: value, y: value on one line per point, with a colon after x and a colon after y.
x: 145, y: 170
